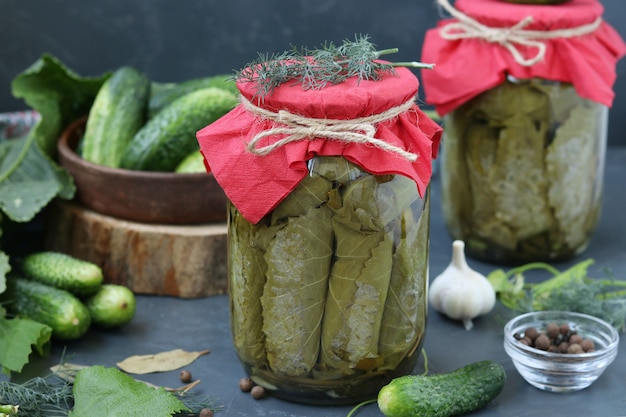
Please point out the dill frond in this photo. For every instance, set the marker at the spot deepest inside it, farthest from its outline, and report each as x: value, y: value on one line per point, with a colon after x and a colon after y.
x: 38, y: 397
x: 317, y: 68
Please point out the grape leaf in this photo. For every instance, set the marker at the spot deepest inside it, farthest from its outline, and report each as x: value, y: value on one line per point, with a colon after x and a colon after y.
x: 104, y: 392
x: 298, y: 264
x: 5, y: 267
x: 17, y: 337
x: 58, y: 94
x: 404, y: 316
x: 29, y: 180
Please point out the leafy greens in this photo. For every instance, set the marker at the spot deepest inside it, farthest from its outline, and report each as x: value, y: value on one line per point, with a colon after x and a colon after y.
x: 29, y: 176
x: 569, y: 290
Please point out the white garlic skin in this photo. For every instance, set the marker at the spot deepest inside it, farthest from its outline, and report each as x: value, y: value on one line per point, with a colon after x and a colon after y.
x: 459, y: 292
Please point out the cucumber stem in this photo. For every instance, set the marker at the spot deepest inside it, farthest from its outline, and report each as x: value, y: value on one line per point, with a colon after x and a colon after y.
x: 533, y: 265
x: 358, y: 406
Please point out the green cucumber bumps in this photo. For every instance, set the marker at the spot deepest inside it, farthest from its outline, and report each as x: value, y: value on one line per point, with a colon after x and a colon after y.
x: 443, y: 395
x: 117, y: 113
x: 66, y: 315
x: 80, y: 277
x: 112, y: 306
x: 162, y: 96
x: 166, y: 139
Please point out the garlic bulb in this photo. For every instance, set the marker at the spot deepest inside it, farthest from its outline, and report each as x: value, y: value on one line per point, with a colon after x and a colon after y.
x: 460, y: 292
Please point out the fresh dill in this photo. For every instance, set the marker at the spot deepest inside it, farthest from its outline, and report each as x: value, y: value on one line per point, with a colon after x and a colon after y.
x: 317, y: 68
x: 38, y: 397
x: 569, y: 290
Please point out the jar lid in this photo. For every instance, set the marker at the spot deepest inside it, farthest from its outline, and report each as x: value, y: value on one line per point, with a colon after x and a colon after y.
x: 497, y: 13
x: 567, y: 43
x: 374, y: 124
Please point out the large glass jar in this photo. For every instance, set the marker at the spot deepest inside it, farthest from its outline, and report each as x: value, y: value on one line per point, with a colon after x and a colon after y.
x: 524, y: 90
x: 522, y: 171
x: 328, y: 291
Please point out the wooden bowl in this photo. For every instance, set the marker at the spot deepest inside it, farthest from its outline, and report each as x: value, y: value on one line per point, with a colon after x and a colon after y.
x: 140, y: 196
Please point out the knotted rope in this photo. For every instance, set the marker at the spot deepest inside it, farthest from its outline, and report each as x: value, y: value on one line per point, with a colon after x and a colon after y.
x: 359, y: 130
x: 509, y: 37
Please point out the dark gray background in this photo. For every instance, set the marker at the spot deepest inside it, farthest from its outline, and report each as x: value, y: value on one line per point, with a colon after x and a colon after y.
x: 174, y: 40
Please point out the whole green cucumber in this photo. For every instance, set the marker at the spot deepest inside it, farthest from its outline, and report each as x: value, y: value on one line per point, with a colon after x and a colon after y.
x: 63, y: 271
x: 118, y: 112
x: 67, y: 316
x: 443, y: 395
x: 112, y: 306
x: 192, y: 163
x: 170, y: 136
x: 164, y: 94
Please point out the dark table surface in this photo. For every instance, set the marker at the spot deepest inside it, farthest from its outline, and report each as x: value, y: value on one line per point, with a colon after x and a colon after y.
x: 164, y: 323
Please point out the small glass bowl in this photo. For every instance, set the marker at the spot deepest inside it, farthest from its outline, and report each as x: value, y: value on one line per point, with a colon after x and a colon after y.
x: 561, y: 372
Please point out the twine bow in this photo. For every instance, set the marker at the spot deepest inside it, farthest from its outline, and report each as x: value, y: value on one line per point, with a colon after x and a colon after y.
x: 359, y: 130
x: 510, y: 37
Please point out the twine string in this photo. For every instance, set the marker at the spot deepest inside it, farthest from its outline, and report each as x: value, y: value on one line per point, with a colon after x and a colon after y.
x: 510, y: 37
x: 296, y: 128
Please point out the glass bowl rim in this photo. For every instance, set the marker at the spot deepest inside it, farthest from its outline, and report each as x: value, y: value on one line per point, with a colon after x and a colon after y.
x: 604, y: 327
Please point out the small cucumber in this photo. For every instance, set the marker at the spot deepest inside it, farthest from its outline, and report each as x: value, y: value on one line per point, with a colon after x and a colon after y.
x: 165, y: 94
x: 63, y: 271
x: 112, y: 306
x: 170, y: 136
x: 67, y: 316
x: 193, y: 163
x: 443, y: 395
x: 118, y: 112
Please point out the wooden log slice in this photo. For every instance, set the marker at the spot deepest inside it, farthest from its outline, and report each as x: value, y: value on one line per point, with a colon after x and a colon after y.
x: 182, y: 261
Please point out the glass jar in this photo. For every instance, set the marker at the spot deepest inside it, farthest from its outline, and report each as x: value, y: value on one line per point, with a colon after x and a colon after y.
x: 522, y: 171
x: 328, y: 291
x: 525, y: 124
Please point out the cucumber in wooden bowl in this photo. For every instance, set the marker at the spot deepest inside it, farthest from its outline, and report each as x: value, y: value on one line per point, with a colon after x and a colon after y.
x: 118, y: 112
x: 165, y: 140
x: 443, y: 395
x: 192, y: 163
x: 162, y: 95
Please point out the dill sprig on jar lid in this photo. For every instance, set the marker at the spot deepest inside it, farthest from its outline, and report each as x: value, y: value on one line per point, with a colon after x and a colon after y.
x: 326, y: 164
x: 317, y: 68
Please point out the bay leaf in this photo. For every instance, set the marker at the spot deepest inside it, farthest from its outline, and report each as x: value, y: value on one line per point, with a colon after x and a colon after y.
x: 67, y: 371
x: 159, y: 362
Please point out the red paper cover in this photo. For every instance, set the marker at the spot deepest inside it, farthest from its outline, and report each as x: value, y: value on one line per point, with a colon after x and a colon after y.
x: 256, y: 184
x: 468, y: 67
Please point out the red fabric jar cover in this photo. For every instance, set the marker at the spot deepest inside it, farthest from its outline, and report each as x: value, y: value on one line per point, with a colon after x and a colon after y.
x: 469, y: 66
x: 256, y: 184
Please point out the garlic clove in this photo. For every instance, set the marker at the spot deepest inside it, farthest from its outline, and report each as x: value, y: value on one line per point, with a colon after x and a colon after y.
x: 460, y: 292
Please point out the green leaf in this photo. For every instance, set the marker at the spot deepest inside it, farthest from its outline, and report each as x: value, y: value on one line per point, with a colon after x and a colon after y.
x: 510, y: 291
x: 105, y: 392
x: 29, y: 180
x: 5, y: 268
x: 58, y: 94
x: 403, y: 323
x: 17, y: 337
x: 542, y: 292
